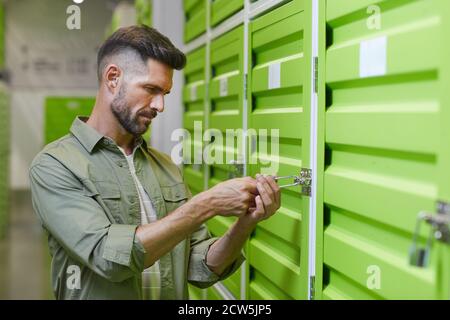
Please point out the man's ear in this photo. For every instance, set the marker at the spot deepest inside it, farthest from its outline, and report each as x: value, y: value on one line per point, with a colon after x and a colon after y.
x: 112, y: 77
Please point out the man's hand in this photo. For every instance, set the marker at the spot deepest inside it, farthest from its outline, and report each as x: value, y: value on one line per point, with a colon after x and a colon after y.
x: 267, y: 202
x: 232, y: 197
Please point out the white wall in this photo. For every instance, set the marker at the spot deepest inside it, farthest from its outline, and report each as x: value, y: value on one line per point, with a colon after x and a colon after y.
x: 168, y: 18
x: 45, y: 58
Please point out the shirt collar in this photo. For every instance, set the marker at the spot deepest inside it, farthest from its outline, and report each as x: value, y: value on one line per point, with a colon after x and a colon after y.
x: 89, y: 137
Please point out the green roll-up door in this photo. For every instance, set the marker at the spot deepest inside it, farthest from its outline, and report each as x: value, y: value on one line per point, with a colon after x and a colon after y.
x: 194, y: 122
x: 4, y: 159
x: 383, y: 107
x: 60, y: 113
x: 144, y: 12
x: 195, y: 15
x: 223, y: 9
x: 193, y: 119
x: 444, y: 156
x: 279, y: 99
x: 226, y: 103
x: 213, y: 294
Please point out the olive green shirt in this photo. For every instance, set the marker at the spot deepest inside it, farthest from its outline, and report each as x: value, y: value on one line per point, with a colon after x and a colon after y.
x: 87, y: 201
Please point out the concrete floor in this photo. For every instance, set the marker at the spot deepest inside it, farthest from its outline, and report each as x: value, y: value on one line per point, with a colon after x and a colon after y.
x: 24, y: 259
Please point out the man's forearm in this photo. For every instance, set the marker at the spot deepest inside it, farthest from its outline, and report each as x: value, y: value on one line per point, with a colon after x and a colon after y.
x: 159, y: 237
x: 228, y: 248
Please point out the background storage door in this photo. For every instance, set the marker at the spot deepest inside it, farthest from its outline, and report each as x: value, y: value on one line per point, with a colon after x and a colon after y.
x: 193, y: 119
x: 194, y: 122
x: 223, y: 9
x: 444, y: 193
x: 60, y: 113
x: 144, y: 12
x: 383, y: 109
x: 195, y: 15
x: 279, y: 99
x: 226, y: 97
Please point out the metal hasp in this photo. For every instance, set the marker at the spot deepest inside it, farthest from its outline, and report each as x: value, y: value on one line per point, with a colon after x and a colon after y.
x: 304, y: 179
x: 439, y: 230
x: 237, y: 169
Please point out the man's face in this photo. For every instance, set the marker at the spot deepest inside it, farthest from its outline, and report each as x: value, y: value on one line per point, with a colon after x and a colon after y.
x: 141, y: 97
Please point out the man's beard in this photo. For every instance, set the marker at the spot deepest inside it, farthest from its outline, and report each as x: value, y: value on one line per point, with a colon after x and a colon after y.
x: 123, y: 114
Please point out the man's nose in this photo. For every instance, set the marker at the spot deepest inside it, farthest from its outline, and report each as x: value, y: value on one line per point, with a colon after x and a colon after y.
x: 158, y: 103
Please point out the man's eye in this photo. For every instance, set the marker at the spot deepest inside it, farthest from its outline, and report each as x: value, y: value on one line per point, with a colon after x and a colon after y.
x: 152, y: 90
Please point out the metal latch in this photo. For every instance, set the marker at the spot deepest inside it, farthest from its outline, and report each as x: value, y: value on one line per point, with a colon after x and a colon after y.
x: 304, y: 179
x: 439, y: 230
x: 237, y: 169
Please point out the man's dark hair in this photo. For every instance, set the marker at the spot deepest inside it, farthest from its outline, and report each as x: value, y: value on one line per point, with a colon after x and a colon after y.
x: 144, y: 40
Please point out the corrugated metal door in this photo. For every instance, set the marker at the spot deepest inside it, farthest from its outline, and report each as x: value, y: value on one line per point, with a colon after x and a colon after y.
x: 60, y: 113
x: 195, y: 15
x: 444, y: 156
x: 144, y: 12
x: 383, y: 73
x: 193, y: 119
x: 222, y: 9
x: 226, y: 97
x: 194, y: 122
x: 279, y: 99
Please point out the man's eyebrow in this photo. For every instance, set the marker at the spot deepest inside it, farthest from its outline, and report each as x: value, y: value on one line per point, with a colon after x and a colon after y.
x: 156, y: 87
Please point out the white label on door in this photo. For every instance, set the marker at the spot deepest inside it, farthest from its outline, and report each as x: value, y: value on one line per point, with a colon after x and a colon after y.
x: 223, y: 87
x: 275, y: 75
x: 372, y: 57
x: 194, y: 93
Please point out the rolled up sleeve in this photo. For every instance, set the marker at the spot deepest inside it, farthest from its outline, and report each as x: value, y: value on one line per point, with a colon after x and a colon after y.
x: 80, y: 225
x: 199, y: 273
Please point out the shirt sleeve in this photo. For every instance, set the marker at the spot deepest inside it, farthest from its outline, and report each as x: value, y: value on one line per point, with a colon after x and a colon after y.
x: 199, y: 273
x: 79, y: 224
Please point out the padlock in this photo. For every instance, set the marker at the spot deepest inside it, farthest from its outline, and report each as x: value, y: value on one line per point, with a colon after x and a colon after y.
x: 296, y: 182
x: 419, y: 256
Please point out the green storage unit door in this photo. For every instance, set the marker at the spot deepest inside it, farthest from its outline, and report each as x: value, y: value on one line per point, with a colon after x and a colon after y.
x: 226, y: 102
x: 4, y: 159
x: 144, y: 12
x: 195, y: 293
x: 213, y: 294
x: 223, y: 9
x: 383, y: 110
x: 194, y: 104
x: 195, y: 15
x: 279, y: 99
x: 444, y: 157
x: 60, y: 113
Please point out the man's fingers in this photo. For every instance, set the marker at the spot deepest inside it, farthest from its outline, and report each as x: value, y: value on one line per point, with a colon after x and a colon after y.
x: 266, y: 193
x: 259, y: 205
x: 275, y: 188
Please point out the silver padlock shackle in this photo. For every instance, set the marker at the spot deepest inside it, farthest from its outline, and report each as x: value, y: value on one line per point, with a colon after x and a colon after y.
x: 297, y: 181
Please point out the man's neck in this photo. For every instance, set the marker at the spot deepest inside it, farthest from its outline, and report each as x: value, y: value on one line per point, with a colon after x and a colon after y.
x: 107, y: 125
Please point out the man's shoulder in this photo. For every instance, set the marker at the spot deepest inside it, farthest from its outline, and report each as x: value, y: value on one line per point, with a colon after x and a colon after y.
x: 160, y: 156
x: 61, y: 149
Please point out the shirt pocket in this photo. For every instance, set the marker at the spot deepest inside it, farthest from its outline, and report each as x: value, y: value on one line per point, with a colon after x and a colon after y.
x: 174, y: 196
x: 109, y: 197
